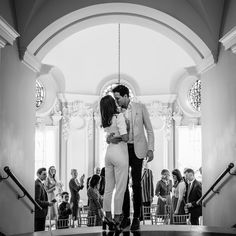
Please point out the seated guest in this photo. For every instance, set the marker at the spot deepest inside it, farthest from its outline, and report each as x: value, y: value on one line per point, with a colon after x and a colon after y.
x: 95, y: 201
x: 163, y: 189
x: 64, y: 210
x: 194, y: 193
x: 42, y: 199
x: 179, y: 193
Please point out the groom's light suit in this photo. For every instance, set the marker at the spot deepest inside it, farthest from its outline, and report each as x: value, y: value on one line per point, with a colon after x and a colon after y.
x: 138, y: 145
x: 141, y: 120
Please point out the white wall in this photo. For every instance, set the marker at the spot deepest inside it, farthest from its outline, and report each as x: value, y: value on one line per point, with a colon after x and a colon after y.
x: 17, y: 129
x: 219, y: 138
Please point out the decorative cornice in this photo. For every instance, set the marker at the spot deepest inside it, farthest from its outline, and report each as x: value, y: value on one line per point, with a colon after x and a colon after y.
x: 2, y: 42
x: 206, y: 64
x: 229, y: 40
x: 31, y: 61
x: 7, y: 33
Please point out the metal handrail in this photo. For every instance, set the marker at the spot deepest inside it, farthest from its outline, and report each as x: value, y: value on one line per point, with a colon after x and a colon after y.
x: 8, y: 171
x: 230, y: 166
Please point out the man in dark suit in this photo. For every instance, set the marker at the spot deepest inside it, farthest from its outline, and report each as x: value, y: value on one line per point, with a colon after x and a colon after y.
x: 42, y: 199
x: 194, y: 193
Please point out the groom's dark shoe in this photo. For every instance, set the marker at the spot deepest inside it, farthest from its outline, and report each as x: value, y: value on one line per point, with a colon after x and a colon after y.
x: 135, y: 224
x: 125, y: 223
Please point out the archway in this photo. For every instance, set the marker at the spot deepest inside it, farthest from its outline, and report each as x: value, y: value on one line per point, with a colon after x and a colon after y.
x: 123, y: 13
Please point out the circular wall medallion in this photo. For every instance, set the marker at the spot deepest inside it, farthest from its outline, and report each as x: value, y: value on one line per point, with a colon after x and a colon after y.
x: 39, y: 94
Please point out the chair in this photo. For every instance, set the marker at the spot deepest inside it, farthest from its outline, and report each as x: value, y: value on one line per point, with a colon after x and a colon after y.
x: 181, y: 219
x: 160, y: 219
x: 63, y: 223
x: 168, y: 209
x: 87, y: 221
x: 84, y: 211
x: 148, y: 212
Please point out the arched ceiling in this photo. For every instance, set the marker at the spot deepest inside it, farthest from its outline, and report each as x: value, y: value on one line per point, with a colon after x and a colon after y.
x: 148, y: 60
x: 203, y: 16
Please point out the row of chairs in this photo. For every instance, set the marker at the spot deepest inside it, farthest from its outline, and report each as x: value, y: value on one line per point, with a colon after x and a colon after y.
x: 151, y: 215
x: 82, y: 221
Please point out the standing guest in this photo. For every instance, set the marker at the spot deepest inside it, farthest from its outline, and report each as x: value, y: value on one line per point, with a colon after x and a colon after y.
x: 42, y: 199
x: 179, y: 193
x: 95, y: 201
x: 163, y: 190
x: 116, y: 160
x: 194, y: 193
x: 75, y: 186
x: 51, y: 186
x: 147, y: 185
x: 139, y: 147
x: 64, y: 210
x: 102, y: 182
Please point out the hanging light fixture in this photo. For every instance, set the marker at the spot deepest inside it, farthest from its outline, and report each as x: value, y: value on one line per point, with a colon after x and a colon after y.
x: 118, y: 53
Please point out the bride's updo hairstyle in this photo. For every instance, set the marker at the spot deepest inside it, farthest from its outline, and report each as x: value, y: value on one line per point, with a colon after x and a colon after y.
x: 108, y: 108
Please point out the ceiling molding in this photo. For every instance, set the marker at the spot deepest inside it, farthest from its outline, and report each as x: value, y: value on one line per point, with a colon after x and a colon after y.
x: 31, y: 61
x: 7, y: 33
x: 206, y: 64
x: 229, y: 40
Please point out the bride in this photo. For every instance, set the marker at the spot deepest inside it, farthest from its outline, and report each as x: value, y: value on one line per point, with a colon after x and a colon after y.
x: 116, y: 160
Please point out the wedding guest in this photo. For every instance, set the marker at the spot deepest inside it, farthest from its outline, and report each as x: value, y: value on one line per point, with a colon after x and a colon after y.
x: 95, y: 200
x: 163, y: 190
x: 194, y: 193
x: 42, y: 199
x: 52, y: 188
x: 97, y: 171
x: 64, y: 210
x: 75, y: 186
x: 102, y: 182
x: 179, y: 193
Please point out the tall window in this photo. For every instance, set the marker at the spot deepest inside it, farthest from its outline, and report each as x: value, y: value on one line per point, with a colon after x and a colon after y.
x: 45, y: 147
x: 188, y: 147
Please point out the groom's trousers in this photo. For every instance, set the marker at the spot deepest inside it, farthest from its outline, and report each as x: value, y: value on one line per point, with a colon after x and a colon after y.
x: 136, y: 171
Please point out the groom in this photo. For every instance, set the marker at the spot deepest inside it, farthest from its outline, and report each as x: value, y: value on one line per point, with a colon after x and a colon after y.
x: 139, y: 148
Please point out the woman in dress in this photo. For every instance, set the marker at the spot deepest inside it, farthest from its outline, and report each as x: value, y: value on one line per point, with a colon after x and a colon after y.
x: 116, y: 159
x: 51, y: 187
x: 163, y: 189
x: 95, y: 200
x: 179, y: 193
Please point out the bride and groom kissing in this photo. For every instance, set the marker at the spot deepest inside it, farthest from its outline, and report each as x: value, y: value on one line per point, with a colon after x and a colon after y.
x: 127, y: 147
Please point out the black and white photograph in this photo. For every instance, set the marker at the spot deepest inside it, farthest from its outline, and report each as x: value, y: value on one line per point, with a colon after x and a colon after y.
x: 117, y: 118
